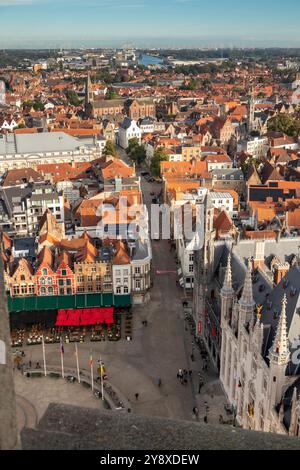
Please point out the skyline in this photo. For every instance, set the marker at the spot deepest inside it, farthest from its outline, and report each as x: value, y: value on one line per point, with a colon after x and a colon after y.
x: 104, y: 23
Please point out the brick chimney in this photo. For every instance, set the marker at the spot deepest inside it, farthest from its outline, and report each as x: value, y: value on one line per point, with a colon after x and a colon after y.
x: 259, y: 256
x: 280, y: 270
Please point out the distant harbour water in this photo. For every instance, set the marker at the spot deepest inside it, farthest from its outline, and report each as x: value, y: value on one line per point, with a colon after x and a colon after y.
x: 146, y: 60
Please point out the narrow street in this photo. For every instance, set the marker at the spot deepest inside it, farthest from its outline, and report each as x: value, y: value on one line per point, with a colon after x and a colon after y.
x: 157, y: 350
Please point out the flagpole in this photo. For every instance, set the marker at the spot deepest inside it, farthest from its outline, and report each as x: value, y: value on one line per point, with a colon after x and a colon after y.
x: 44, y: 356
x: 101, y: 377
x: 92, y: 370
x: 62, y: 359
x: 77, y: 363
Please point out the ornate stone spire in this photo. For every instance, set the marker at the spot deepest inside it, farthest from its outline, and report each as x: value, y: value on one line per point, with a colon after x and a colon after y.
x: 227, y: 286
x: 246, y: 299
x: 279, y: 352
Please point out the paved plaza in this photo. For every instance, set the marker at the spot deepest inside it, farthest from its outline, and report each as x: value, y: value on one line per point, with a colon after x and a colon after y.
x: 33, y: 396
x: 157, y: 351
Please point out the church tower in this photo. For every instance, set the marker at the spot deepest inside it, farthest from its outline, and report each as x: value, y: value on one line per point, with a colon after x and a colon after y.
x: 251, y: 112
x: 279, y: 356
x: 89, y: 96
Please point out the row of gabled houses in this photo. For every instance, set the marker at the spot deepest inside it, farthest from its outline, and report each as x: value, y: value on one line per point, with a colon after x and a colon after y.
x: 56, y: 266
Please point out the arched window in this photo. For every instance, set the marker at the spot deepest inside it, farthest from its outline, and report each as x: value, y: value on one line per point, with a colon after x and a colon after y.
x: 43, y: 290
x: 49, y: 280
x: 44, y: 271
x: 22, y: 277
x: 50, y: 290
x: 42, y: 281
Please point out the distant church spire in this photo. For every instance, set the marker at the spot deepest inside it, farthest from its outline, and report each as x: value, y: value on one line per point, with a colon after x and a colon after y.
x: 227, y: 286
x: 251, y: 111
x: 246, y: 299
x: 279, y: 352
x: 89, y: 95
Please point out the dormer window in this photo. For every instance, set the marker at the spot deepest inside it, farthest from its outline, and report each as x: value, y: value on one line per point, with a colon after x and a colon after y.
x: 275, y: 314
x: 293, y: 291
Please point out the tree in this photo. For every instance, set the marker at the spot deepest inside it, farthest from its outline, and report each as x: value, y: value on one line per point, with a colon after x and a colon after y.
x: 286, y: 124
x: 111, y: 94
x: 38, y: 106
x: 160, y: 155
x: 73, y: 98
x: 110, y: 149
x: 135, y: 151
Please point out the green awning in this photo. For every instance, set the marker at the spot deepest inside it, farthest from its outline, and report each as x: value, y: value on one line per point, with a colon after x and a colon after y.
x: 52, y: 302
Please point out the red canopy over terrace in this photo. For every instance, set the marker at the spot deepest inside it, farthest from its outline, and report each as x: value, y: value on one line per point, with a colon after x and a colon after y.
x: 85, y: 316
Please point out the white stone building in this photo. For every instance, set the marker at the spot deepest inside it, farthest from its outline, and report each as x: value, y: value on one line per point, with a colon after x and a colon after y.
x: 128, y: 130
x: 30, y: 150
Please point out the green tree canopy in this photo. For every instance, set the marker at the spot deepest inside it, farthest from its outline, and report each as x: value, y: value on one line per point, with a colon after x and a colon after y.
x: 111, y: 94
x: 110, y: 149
x: 160, y: 155
x: 73, y: 98
x: 135, y: 151
x: 286, y: 124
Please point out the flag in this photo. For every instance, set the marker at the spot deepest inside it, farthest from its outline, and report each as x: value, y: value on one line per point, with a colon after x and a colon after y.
x: 91, y: 359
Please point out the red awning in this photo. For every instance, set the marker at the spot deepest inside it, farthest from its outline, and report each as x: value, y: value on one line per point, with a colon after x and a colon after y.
x: 85, y: 316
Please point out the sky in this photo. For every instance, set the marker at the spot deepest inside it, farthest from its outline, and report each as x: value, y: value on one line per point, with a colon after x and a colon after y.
x: 149, y: 23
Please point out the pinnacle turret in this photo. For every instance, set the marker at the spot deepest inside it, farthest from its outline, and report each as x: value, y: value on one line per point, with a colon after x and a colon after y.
x: 279, y: 351
x: 227, y: 286
x: 246, y: 299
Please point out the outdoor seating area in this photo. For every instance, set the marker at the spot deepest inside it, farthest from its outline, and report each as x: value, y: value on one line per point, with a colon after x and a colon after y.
x: 107, y: 332
x: 128, y: 326
x: 32, y: 335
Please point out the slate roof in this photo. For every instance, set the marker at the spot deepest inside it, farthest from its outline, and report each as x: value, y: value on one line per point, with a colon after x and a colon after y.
x: 263, y: 292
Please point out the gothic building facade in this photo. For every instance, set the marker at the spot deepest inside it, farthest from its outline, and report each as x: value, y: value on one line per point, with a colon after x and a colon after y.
x: 259, y: 362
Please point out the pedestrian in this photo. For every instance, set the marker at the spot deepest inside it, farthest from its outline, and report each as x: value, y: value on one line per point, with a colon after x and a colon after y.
x: 190, y: 372
x: 179, y: 373
x: 192, y: 357
x: 159, y: 382
x: 146, y: 323
x: 196, y: 411
x: 136, y: 396
x: 29, y: 363
x: 129, y: 410
x: 205, y: 419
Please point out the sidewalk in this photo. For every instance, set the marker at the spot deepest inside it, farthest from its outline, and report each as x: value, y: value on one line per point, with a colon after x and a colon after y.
x: 211, y: 394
